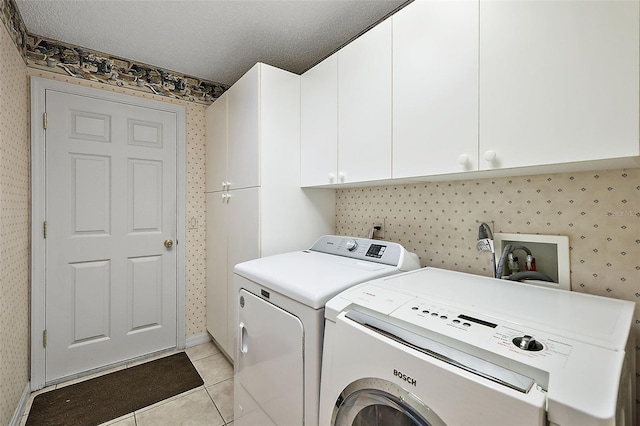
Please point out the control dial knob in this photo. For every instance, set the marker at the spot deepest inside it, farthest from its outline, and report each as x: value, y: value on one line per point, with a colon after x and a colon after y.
x: 527, y: 343
x: 351, y: 245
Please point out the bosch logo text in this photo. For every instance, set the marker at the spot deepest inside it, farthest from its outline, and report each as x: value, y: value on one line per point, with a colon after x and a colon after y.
x: 401, y: 375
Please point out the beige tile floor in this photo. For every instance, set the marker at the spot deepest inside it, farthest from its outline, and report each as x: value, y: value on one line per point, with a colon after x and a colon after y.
x: 210, y: 404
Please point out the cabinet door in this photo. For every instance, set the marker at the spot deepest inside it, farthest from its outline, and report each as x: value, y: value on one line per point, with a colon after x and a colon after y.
x: 364, y: 107
x: 558, y: 81
x: 243, y: 244
x: 319, y: 124
x: 216, y: 144
x: 435, y: 88
x: 242, y: 105
x: 217, y: 270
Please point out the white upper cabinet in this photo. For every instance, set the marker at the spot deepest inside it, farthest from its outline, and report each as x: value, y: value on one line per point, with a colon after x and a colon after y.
x: 319, y: 124
x: 558, y: 82
x: 364, y: 107
x: 435, y: 88
x: 243, y: 127
x: 450, y: 87
x: 216, y: 147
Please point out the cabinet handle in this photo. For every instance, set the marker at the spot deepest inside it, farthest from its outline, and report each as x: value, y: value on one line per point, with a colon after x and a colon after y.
x: 228, y: 185
x: 224, y: 186
x: 490, y: 156
x: 332, y: 178
x: 463, y: 159
x: 341, y: 177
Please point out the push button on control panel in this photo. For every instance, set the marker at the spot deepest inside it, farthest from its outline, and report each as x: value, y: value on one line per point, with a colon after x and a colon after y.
x: 427, y: 313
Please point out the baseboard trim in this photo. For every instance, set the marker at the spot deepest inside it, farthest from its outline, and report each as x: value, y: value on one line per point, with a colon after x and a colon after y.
x: 198, y: 339
x: 19, y: 412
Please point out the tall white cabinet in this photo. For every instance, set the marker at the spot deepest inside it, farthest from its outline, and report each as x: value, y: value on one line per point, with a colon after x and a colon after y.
x: 255, y: 206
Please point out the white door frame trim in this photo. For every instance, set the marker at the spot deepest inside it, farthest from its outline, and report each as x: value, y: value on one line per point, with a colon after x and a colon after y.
x: 38, y: 192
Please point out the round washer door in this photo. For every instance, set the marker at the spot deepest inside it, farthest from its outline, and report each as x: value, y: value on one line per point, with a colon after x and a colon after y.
x: 374, y: 402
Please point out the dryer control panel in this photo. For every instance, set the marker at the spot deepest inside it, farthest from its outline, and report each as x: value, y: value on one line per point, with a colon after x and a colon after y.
x: 378, y: 251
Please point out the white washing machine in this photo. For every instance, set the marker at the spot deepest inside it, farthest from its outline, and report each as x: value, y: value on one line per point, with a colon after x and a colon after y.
x: 436, y: 347
x: 280, y: 307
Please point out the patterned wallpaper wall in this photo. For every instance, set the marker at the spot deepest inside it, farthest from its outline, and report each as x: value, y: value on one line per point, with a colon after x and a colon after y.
x: 598, y: 211
x: 14, y: 227
x: 196, y: 223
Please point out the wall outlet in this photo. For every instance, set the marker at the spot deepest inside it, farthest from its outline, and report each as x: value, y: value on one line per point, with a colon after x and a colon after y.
x: 379, y: 234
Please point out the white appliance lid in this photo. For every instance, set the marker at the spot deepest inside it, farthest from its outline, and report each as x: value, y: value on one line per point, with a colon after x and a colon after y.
x: 332, y: 264
x: 310, y: 277
x: 591, y: 319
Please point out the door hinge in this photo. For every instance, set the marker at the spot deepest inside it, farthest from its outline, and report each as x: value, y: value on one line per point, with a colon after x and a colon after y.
x: 44, y: 120
x: 44, y: 228
x: 44, y: 338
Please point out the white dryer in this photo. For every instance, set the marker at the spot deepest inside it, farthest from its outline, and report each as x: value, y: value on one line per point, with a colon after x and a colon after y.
x: 280, y: 315
x: 436, y: 347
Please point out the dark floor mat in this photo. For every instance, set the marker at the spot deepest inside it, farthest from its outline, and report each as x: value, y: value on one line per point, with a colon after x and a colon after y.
x: 115, y: 394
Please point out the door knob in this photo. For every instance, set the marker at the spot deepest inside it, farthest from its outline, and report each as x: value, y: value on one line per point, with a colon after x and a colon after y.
x: 168, y: 243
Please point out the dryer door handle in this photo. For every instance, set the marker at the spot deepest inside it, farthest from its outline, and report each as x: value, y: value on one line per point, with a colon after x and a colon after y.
x: 243, y: 339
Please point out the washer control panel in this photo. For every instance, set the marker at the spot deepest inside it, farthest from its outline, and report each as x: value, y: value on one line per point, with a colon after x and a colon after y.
x: 500, y: 337
x: 429, y: 314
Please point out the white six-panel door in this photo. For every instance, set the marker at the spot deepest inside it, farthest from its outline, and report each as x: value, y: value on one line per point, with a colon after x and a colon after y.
x: 110, y: 207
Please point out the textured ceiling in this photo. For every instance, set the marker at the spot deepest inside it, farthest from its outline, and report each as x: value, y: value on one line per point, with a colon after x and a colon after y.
x: 217, y: 40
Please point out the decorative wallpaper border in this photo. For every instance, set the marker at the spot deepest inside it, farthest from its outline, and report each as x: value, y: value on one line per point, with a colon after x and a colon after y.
x: 11, y: 18
x: 75, y: 61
